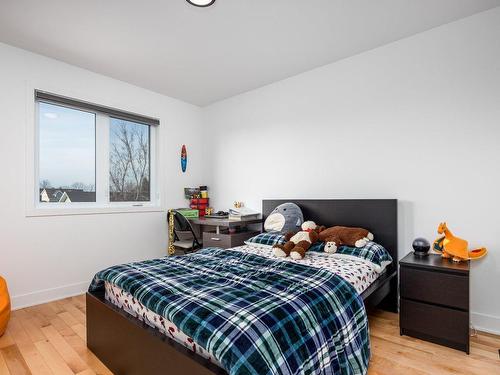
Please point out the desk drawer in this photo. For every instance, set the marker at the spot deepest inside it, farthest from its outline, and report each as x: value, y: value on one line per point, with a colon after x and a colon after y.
x: 435, y: 287
x: 226, y: 241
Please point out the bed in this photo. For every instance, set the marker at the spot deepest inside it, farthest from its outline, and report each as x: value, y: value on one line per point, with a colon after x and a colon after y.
x: 130, y: 345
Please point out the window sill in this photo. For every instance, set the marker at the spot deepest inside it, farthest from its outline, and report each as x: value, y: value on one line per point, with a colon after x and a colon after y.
x: 65, y: 211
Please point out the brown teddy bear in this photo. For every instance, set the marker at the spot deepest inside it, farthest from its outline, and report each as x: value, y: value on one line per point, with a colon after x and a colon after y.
x: 337, y: 236
x: 299, y: 242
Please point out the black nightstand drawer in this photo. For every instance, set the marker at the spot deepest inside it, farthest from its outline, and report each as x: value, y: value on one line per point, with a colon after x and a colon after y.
x: 434, y: 323
x: 435, y: 287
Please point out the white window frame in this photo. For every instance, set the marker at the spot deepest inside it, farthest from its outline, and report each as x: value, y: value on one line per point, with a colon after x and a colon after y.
x: 102, y: 205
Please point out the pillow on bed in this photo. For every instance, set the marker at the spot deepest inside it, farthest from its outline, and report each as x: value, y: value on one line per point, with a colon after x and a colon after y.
x: 317, y: 246
x: 372, y: 252
x: 267, y: 239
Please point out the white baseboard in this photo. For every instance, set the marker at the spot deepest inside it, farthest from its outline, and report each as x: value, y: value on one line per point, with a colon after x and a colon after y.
x: 486, y: 323
x: 48, y: 295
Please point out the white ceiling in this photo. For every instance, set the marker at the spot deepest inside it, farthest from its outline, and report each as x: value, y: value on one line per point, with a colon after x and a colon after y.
x: 202, y: 55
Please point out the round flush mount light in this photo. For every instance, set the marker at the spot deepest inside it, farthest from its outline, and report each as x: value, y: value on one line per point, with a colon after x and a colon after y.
x: 201, y: 3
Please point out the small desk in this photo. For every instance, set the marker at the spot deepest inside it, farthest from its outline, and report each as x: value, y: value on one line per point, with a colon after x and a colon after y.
x: 224, y: 240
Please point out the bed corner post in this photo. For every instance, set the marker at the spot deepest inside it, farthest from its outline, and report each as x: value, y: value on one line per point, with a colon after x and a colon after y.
x: 391, y: 301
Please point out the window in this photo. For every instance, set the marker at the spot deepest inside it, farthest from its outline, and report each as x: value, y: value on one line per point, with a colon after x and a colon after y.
x: 93, y: 156
x: 67, y: 154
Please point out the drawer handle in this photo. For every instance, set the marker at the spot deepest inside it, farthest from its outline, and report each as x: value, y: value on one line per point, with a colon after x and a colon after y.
x: 215, y: 239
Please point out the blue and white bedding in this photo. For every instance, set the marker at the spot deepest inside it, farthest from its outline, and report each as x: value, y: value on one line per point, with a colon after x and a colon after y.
x: 252, y: 313
x: 372, y: 252
x: 359, y: 272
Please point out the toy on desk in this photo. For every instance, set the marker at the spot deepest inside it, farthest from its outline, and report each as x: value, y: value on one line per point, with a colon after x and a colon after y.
x: 191, y: 192
x: 200, y: 204
x: 455, y: 247
x: 203, y: 192
x: 237, y: 204
x: 198, y: 199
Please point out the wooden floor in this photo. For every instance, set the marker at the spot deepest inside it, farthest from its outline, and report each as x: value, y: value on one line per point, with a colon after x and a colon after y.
x: 50, y: 339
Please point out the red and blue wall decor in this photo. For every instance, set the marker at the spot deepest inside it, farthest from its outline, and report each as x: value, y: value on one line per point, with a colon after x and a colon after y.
x: 184, y: 158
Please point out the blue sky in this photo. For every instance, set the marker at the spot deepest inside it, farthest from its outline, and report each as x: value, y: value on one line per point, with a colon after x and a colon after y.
x: 67, y: 145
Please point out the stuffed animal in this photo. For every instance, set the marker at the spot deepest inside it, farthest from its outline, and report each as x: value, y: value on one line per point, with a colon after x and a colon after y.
x: 337, y: 236
x: 454, y: 247
x: 298, y: 243
x: 287, y: 217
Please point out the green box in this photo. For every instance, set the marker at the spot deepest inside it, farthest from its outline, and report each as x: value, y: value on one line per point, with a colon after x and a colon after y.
x: 189, y: 213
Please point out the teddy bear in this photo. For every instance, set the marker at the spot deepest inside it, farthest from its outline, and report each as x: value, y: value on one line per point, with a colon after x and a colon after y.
x: 337, y: 236
x: 299, y: 242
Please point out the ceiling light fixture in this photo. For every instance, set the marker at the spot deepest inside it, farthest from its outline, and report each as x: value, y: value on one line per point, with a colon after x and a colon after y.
x: 201, y: 3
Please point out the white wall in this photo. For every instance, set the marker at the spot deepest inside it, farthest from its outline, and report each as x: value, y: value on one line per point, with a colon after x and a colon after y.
x: 46, y: 258
x: 417, y: 120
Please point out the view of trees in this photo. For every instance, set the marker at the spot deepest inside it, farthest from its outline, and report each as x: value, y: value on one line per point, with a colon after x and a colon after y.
x: 45, y: 184
x: 129, y: 161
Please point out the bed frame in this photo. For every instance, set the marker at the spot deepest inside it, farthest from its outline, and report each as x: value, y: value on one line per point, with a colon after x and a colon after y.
x: 128, y: 346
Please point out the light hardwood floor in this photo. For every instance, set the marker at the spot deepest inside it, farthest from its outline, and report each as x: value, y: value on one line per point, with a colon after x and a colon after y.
x: 50, y: 339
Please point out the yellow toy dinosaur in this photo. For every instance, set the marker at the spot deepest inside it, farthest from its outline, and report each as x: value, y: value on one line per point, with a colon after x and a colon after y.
x: 451, y: 246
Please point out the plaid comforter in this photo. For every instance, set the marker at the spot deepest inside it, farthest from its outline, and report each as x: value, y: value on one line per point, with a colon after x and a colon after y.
x: 253, y: 314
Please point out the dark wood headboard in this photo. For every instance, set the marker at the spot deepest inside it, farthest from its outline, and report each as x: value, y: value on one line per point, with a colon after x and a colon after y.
x: 379, y: 216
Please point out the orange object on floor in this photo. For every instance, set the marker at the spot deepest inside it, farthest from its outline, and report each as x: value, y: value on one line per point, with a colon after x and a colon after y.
x: 4, y: 305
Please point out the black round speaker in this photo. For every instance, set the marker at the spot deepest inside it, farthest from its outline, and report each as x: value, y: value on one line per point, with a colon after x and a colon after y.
x: 421, y: 246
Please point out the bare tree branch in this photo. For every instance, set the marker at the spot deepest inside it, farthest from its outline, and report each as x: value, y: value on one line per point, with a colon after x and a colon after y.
x: 129, y: 161
x: 45, y: 184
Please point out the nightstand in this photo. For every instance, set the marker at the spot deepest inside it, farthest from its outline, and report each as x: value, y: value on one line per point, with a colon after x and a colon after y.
x: 434, y: 300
